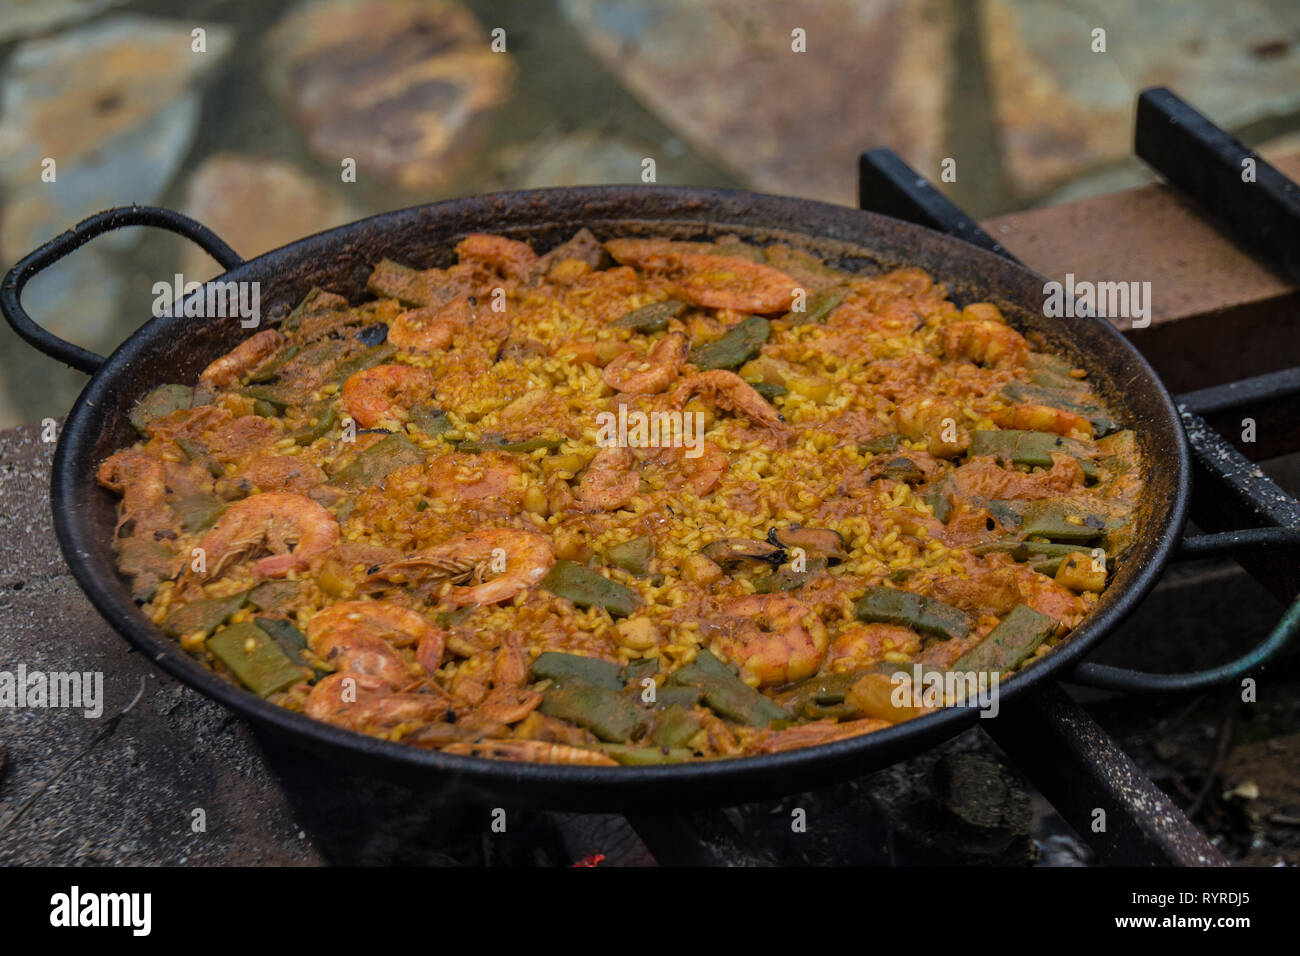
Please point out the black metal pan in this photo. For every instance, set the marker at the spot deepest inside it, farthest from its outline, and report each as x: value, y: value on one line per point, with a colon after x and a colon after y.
x: 174, y: 348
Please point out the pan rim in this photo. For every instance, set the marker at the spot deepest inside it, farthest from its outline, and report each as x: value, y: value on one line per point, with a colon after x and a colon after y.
x: 73, y: 526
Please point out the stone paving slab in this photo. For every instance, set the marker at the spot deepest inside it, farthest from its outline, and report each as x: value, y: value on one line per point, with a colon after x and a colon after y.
x: 86, y: 791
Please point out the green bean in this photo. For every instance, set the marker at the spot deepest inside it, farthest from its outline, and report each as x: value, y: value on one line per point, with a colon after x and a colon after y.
x: 608, y: 714
x: 377, y: 462
x: 1029, y: 448
x: 922, y: 614
x: 197, y: 511
x: 271, y: 370
x: 159, y: 403
x: 375, y: 355
x: 254, y: 658
x: 902, y: 469
x: 205, y: 615
x: 651, y: 318
x: 1026, y: 550
x: 430, y: 419
x: 768, y: 390
x: 823, y: 690
x: 500, y: 444
x: 587, y: 588
x: 392, y: 280
x: 316, y: 300
x: 1055, y: 521
x: 318, y: 429
x: 632, y: 556
x: 1009, y: 644
x: 638, y: 670
x: 675, y: 727
x: 272, y: 595
x: 940, y: 503
x: 725, y: 693
x: 279, y: 396
x: 1102, y: 423
x: 198, y: 453
x: 741, y: 343
x: 563, y: 667
x: 882, y: 445
x: 646, y: 756
x: 670, y: 696
x: 818, y: 307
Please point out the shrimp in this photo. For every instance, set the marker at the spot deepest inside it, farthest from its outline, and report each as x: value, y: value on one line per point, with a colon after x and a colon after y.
x: 521, y: 559
x: 729, y: 392
x: 809, y: 735
x: 243, y: 358
x: 433, y: 327
x: 142, y: 483
x: 531, y: 751
x: 509, y: 701
x: 861, y: 645
x: 274, y: 518
x: 984, y: 341
x: 778, y: 639
x: 367, y: 702
x: 359, y: 636
x: 935, y: 422
x: 1044, y: 418
x: 710, y: 280
x: 373, y: 395
x: 702, y: 473
x: 461, y: 477
x: 272, y: 473
x: 630, y: 372
x: 510, y: 257
x: 982, y: 478
x: 610, y: 481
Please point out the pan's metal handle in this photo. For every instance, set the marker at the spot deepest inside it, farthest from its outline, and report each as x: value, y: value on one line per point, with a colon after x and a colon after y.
x: 83, y: 360
x: 1207, y: 546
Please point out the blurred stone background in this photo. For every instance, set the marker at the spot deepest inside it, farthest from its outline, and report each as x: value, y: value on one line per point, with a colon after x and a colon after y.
x: 249, y: 135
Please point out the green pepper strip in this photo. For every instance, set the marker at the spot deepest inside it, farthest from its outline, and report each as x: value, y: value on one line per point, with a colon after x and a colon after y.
x: 1009, y: 644
x: 922, y: 614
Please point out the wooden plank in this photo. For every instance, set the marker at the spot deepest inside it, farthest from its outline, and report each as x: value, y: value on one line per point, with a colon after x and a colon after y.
x: 1217, y: 313
x: 1145, y: 234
